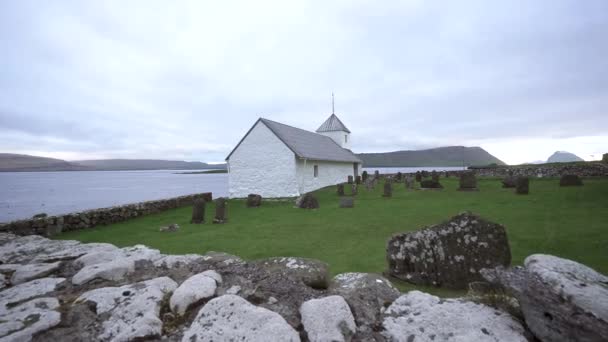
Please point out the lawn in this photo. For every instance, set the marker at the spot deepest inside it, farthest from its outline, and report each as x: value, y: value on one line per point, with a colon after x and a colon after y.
x: 567, y: 222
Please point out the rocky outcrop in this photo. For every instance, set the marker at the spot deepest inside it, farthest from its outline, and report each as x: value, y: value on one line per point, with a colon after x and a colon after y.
x: 313, y: 273
x: 561, y: 300
x: 51, y: 225
x: 328, y: 319
x: 449, y: 254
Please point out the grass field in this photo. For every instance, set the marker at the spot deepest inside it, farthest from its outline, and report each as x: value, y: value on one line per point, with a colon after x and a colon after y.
x: 567, y: 222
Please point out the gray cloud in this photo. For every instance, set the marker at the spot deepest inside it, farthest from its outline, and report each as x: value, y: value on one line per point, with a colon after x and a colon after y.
x: 185, y: 80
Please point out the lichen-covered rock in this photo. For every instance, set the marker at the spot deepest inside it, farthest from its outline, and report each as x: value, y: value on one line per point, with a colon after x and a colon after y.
x: 561, y: 300
x: 19, y: 323
x: 28, y: 272
x: 311, y: 272
x: 570, y: 180
x: 25, y: 291
x: 232, y: 318
x: 449, y: 254
x: 193, y: 290
x: 173, y: 261
x: 22, y: 250
x: 254, y: 200
x: 328, y: 319
x: 74, y: 251
x: 367, y: 294
x: 133, y: 310
x: 418, y: 316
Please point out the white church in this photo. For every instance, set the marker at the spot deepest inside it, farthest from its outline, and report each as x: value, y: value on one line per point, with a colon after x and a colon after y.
x: 277, y: 160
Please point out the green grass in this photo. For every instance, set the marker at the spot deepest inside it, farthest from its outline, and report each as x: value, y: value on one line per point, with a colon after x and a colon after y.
x: 568, y: 222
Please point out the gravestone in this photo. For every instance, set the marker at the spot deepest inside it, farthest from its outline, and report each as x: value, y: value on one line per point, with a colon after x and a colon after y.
x: 449, y: 254
x: 418, y: 176
x: 409, y: 183
x: 347, y: 202
x: 340, y: 189
x: 254, y: 200
x: 399, y: 176
x: 435, y: 176
x: 358, y: 180
x: 430, y: 184
x: 198, y: 211
x: 570, y: 180
x: 388, y: 189
x: 468, y: 181
x: 377, y: 174
x: 364, y: 175
x: 307, y: 201
x: 509, y: 182
x: 425, y: 174
x: 522, y: 185
x: 350, y: 179
x: 605, y: 157
x: 220, y: 210
x: 353, y: 189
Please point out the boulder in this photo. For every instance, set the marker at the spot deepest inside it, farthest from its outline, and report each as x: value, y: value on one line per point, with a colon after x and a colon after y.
x: 449, y: 254
x: 522, y: 185
x: 29, y: 272
x: 509, y: 182
x: 232, y: 318
x: 132, y: 311
x: 327, y: 319
x: 340, y: 189
x: 198, y: 211
x: 347, y: 202
x: 307, y: 201
x: 468, y: 181
x: 74, y: 251
x: 254, y: 200
x: 570, y: 180
x: 23, y: 249
x: 196, y: 288
x: 430, y: 184
x: 367, y: 294
x: 220, y: 211
x: 561, y: 300
x: 21, y: 322
x: 418, y: 316
x: 25, y: 291
x: 388, y: 189
x: 311, y: 272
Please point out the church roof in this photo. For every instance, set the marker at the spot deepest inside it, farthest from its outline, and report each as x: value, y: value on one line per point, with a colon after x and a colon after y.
x: 306, y: 144
x: 332, y: 124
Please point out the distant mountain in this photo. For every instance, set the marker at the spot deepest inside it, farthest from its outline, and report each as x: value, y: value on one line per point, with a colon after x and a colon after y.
x: 146, y: 164
x: 442, y: 156
x: 564, y: 157
x: 22, y: 162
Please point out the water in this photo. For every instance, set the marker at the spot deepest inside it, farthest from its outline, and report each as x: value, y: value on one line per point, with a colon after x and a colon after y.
x: 411, y: 169
x: 24, y: 194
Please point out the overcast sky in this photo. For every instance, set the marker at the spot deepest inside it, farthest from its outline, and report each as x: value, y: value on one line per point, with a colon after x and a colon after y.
x: 185, y: 80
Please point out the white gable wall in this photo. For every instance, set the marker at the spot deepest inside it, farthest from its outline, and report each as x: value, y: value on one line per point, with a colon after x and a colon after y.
x: 338, y: 137
x: 262, y: 164
x: 330, y: 173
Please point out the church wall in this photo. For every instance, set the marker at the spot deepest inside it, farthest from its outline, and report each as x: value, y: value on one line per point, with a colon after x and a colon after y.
x: 330, y: 173
x: 262, y: 164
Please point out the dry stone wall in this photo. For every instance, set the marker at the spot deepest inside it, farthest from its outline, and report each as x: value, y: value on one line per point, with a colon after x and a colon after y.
x: 51, y: 225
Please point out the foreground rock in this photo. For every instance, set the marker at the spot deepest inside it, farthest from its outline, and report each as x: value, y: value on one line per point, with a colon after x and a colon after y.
x: 327, y: 319
x: 22, y: 292
x: 418, y: 316
x: 311, y: 272
x: 193, y: 290
x: 232, y: 318
x: 561, y: 300
x: 133, y: 309
x: 449, y: 254
x: 19, y: 323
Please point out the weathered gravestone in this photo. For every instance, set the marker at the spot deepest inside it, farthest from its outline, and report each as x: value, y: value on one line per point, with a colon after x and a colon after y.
x: 560, y: 299
x: 340, y: 189
x: 254, y: 200
x: 409, y: 183
x: 570, y: 180
x: 418, y: 176
x: 307, y: 201
x: 425, y: 174
x: 449, y: 254
x: 364, y: 176
x: 522, y: 185
x: 468, y: 181
x: 358, y: 180
x: 353, y: 189
x: 430, y: 184
x: 435, y: 176
x: 350, y: 179
x: 388, y: 189
x: 509, y: 182
x: 220, y: 210
x: 399, y: 176
x: 198, y: 211
x: 347, y: 202
x: 377, y: 174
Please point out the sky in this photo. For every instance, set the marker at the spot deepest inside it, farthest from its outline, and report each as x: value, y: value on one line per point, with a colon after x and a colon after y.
x: 185, y: 80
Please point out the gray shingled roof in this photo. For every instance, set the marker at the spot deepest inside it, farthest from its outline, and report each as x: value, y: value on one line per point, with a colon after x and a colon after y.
x: 306, y: 144
x: 332, y: 124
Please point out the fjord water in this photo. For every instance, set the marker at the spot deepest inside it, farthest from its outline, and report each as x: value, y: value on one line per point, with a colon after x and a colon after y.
x: 24, y: 194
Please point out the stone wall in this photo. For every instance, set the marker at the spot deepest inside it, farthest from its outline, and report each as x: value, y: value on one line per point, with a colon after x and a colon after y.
x: 52, y: 225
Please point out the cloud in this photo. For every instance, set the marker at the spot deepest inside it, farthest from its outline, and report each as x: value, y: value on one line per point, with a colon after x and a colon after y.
x: 185, y: 80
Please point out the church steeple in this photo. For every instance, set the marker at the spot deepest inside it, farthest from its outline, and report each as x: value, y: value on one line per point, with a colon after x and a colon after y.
x: 335, y: 129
